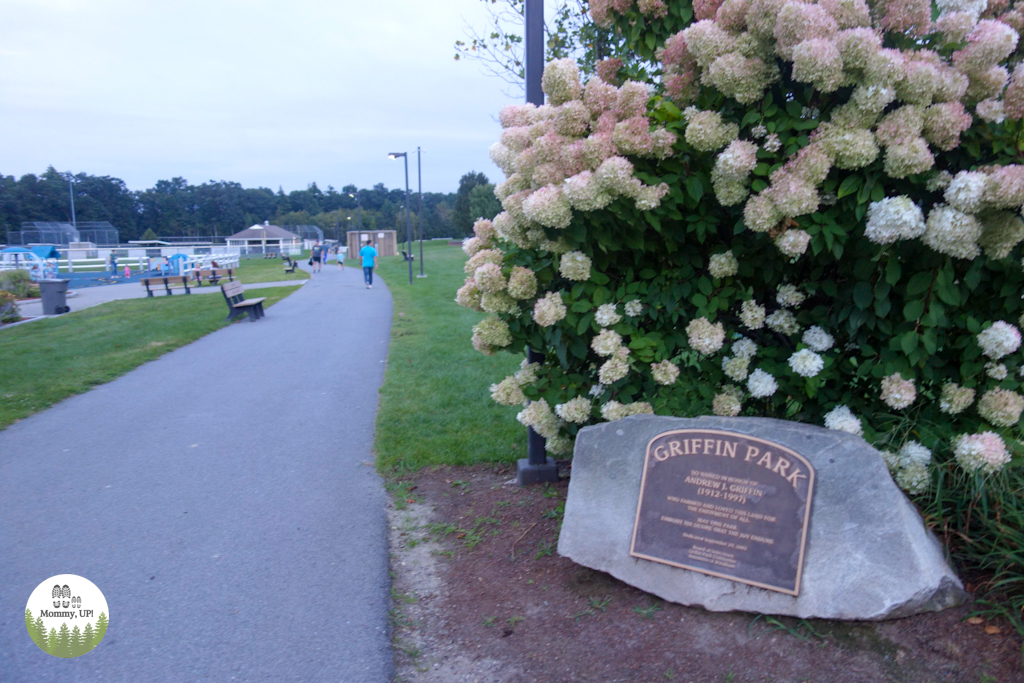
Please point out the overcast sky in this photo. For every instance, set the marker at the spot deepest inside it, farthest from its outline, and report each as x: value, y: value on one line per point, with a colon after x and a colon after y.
x: 265, y: 93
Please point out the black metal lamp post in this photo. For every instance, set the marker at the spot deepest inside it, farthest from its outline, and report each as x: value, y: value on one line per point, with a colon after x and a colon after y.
x: 419, y: 174
x: 408, y: 222
x: 359, y: 223
x: 537, y: 467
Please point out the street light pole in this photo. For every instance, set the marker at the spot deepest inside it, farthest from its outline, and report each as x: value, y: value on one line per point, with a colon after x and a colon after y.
x: 408, y: 222
x: 71, y: 191
x: 419, y: 174
x: 359, y: 222
x: 537, y: 467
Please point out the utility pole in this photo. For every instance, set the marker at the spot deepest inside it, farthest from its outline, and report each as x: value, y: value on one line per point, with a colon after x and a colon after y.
x: 419, y: 173
x: 537, y: 467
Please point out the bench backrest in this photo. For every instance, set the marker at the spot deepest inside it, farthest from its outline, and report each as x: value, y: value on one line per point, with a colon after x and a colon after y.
x: 232, y: 289
x: 170, y: 279
x: 222, y: 271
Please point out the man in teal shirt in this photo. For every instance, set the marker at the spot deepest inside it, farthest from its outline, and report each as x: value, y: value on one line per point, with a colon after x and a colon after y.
x: 369, y: 255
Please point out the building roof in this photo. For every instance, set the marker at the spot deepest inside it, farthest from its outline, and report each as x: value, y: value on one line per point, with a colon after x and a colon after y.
x: 256, y: 232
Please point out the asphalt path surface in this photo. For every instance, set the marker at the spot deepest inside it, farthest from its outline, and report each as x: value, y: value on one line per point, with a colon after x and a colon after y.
x: 223, y: 498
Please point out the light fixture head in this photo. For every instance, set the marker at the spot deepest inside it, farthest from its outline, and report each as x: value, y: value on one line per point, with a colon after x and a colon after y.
x: 395, y: 155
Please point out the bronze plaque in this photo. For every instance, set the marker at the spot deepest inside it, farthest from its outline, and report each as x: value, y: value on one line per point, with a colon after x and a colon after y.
x: 725, y: 504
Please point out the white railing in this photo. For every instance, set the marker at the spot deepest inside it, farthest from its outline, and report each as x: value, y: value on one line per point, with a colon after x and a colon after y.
x: 136, y: 263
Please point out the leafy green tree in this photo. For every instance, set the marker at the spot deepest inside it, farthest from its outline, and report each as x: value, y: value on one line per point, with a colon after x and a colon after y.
x: 64, y: 641
x: 40, y: 632
x: 30, y: 624
x: 483, y: 203
x: 101, y: 627
x: 148, y: 235
x: 77, y: 642
x: 462, y: 218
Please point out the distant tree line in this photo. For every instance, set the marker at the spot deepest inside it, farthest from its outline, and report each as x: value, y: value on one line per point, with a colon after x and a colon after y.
x: 176, y: 208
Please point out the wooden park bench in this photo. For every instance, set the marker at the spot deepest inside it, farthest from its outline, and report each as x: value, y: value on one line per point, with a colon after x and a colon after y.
x: 407, y: 257
x: 215, y: 275
x: 169, y: 281
x: 290, y: 265
x: 238, y: 304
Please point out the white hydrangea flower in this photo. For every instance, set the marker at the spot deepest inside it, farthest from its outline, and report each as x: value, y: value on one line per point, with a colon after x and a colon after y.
x: 538, y: 414
x: 634, y: 308
x: 999, y: 340
x: 966, y: 192
x: 574, y: 265
x: 985, y: 451
x: 613, y: 410
x: 912, y: 451
x: 806, y: 363
x: 558, y: 445
x: 606, y: 343
x: 761, y: 384
x: 723, y: 265
x: 549, y: 309
x: 818, y: 339
x: 727, y: 404
x: 613, y: 370
x: 842, y: 419
x: 913, y: 478
x: 507, y: 392
x: 665, y: 372
x: 793, y: 243
x: 783, y: 322
x: 789, y: 296
x: 607, y: 315
x: 705, y: 336
x: 996, y: 371
x: 898, y: 393
x: 952, y: 232
x: 576, y: 410
x: 489, y: 278
x: 752, y: 314
x: 894, y: 218
x: 736, y: 368
x: 1001, y: 407
x: 744, y: 348
x: 955, y: 399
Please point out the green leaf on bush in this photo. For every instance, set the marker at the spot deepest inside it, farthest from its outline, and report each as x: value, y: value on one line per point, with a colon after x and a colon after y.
x: 892, y: 271
x: 913, y: 310
x: 849, y: 186
x: 694, y: 187
x: 909, y: 342
x: 862, y: 295
x: 919, y: 283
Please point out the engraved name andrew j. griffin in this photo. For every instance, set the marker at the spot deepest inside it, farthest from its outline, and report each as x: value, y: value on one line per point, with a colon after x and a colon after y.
x: 725, y: 504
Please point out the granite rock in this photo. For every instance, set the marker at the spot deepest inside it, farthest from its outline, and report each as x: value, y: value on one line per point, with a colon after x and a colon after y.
x: 868, y: 554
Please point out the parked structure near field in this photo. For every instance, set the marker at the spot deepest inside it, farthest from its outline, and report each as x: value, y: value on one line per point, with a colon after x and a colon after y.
x: 386, y: 241
x: 266, y: 238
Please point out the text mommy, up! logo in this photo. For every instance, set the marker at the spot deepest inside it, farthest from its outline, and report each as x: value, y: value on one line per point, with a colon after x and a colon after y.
x: 67, y: 615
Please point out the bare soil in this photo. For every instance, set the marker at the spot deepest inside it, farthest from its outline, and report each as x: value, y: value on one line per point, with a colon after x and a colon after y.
x: 481, y: 594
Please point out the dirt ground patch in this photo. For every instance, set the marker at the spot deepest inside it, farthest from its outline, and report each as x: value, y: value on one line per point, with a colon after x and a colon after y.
x: 481, y: 594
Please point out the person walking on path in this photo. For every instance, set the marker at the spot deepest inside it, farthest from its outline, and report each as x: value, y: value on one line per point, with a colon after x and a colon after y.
x: 341, y: 259
x: 315, y: 256
x: 369, y: 255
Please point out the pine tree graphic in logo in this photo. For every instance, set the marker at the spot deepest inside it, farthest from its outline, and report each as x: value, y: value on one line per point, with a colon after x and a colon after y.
x: 75, y: 625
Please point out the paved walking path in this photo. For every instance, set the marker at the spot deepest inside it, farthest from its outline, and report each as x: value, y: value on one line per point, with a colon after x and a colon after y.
x: 233, y: 519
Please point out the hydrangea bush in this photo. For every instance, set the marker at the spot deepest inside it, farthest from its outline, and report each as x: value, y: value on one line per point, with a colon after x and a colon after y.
x: 812, y: 212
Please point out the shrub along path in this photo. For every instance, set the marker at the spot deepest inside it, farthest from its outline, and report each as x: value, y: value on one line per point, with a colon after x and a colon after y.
x: 222, y: 497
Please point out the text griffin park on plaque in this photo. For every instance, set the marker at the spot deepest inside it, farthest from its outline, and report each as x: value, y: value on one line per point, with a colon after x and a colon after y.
x: 725, y: 504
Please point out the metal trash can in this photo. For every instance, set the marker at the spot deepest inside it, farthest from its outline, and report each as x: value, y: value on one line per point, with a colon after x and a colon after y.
x: 54, y: 294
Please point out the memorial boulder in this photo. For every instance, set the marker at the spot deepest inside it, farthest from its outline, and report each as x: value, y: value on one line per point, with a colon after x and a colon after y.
x: 753, y: 515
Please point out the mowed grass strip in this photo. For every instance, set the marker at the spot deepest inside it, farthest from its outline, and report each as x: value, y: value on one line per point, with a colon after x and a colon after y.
x: 259, y: 269
x: 435, y: 404
x: 46, y: 361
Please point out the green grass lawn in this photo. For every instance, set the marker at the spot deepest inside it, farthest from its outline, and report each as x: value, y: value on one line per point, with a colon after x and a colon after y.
x: 435, y: 405
x: 268, y: 270
x: 46, y: 361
